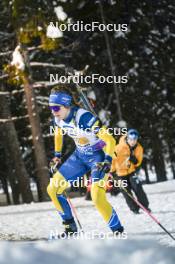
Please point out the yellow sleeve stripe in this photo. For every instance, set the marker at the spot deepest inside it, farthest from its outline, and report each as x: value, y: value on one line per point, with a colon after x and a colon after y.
x: 58, y: 139
x: 104, y: 135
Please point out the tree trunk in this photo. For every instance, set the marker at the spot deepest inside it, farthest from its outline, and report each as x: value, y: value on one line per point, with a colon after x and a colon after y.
x: 17, y: 174
x: 38, y: 143
x: 158, y: 159
x: 5, y: 188
x: 111, y: 63
x: 172, y: 158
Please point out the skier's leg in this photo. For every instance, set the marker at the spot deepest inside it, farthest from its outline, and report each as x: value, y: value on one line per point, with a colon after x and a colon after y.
x: 109, y: 215
x: 55, y: 190
x: 67, y: 173
x: 131, y: 204
x: 98, y: 195
x: 56, y: 187
x: 136, y: 185
x: 99, y: 198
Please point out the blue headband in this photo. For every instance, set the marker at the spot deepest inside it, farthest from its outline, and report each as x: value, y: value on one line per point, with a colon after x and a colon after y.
x: 60, y: 98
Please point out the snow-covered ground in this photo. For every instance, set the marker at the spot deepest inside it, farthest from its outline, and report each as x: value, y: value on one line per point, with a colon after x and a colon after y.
x: 146, y: 242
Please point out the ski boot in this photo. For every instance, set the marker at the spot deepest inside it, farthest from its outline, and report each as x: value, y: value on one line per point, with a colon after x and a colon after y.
x: 118, y: 231
x: 70, y: 229
x: 136, y: 211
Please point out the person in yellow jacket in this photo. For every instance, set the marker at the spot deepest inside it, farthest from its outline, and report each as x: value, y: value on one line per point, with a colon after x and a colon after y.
x: 94, y: 150
x: 128, y: 156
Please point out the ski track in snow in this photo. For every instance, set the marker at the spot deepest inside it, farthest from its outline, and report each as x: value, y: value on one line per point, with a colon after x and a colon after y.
x: 145, y: 239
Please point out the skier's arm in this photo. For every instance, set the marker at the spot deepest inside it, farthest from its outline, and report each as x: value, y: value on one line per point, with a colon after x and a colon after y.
x: 139, y: 156
x: 113, y: 167
x: 104, y: 135
x: 58, y: 142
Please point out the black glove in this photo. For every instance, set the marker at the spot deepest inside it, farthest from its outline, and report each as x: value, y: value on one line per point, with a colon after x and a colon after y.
x: 104, y: 166
x: 133, y: 159
x: 53, y: 164
x: 114, y: 175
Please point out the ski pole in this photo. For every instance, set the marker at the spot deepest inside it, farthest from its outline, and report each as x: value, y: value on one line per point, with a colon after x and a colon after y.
x: 74, y: 211
x: 147, y: 212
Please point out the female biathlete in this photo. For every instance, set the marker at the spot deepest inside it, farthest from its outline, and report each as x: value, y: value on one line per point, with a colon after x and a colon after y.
x: 94, y: 150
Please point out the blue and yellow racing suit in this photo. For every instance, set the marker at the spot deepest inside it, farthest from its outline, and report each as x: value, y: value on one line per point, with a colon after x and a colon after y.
x: 93, y: 145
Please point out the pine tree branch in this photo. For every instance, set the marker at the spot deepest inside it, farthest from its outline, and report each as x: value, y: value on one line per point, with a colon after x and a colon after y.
x: 45, y: 64
x: 9, y: 52
x: 13, y: 119
x: 12, y: 92
x: 5, y: 76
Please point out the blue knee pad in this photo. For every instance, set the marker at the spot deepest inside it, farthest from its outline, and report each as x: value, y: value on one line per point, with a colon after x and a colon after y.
x: 66, y: 208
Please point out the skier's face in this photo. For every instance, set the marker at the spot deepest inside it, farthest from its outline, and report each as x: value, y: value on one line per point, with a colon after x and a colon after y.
x: 61, y: 112
x: 132, y: 142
